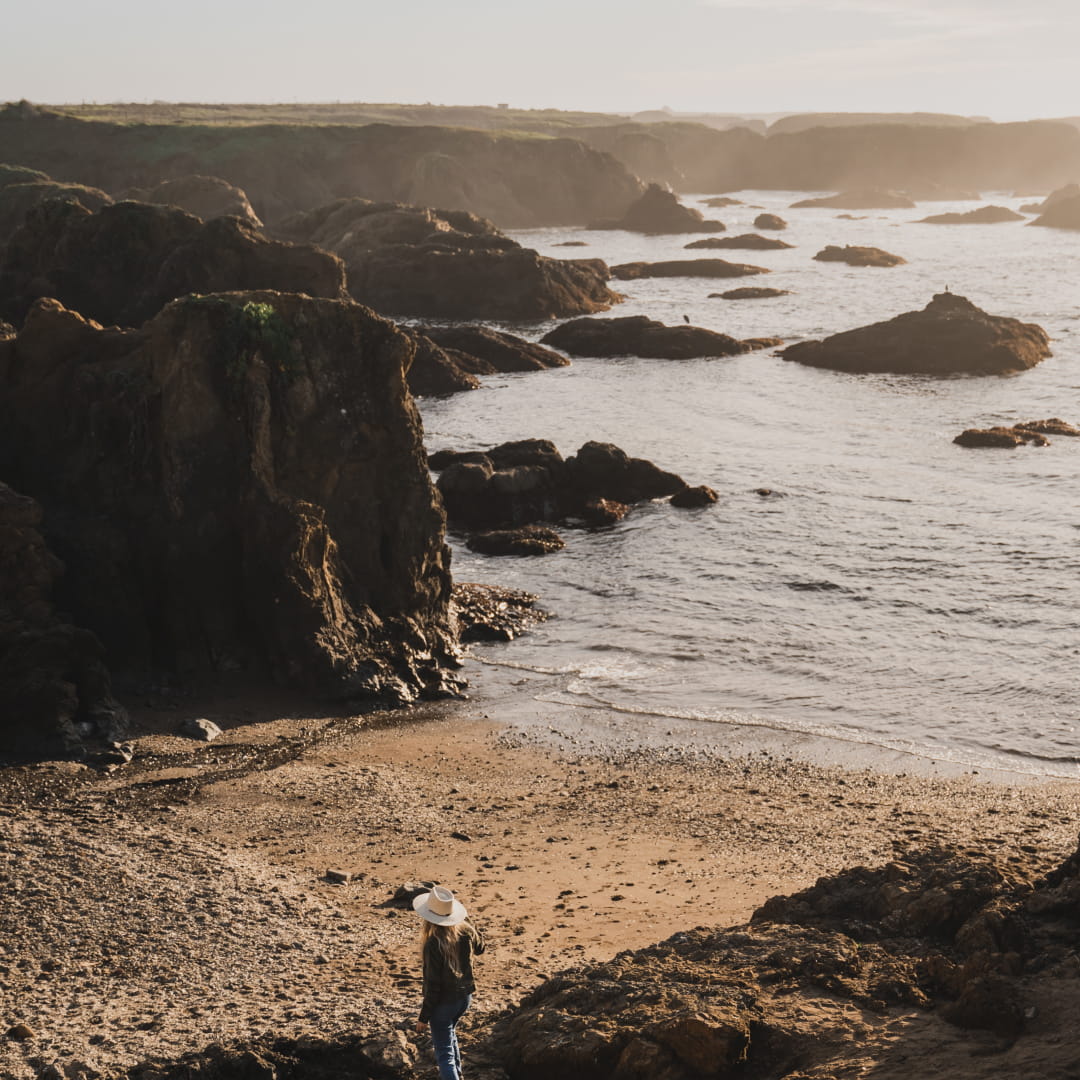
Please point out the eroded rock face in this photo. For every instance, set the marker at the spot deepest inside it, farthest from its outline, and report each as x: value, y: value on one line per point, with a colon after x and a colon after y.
x: 703, y: 268
x: 19, y: 196
x: 527, y: 481
x: 55, y: 690
x: 444, y: 264
x: 984, y: 215
x: 638, y: 335
x: 123, y: 263
x: 658, y: 212
x: 950, y: 336
x: 858, y: 256
x: 240, y: 483
x: 861, y: 199
x: 204, y: 196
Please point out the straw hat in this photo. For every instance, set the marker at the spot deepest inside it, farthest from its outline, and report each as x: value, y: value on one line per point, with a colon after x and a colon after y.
x: 440, y: 907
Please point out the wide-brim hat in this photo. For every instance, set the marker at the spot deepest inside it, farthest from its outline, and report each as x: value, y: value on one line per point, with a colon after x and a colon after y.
x: 440, y: 907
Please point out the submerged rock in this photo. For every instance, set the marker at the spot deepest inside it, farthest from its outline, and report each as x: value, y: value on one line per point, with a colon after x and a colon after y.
x: 703, y: 268
x: 658, y: 212
x: 447, y: 264
x: 984, y: 215
x: 692, y: 498
x: 749, y: 292
x: 860, y: 199
x: 950, y: 336
x: 858, y: 256
x: 638, y: 335
x: 528, y: 540
x: 493, y: 613
x: 123, y: 263
x: 750, y: 241
x: 240, y: 483
x: 1030, y: 431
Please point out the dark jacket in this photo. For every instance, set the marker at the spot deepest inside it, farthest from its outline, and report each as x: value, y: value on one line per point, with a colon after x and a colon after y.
x: 440, y: 983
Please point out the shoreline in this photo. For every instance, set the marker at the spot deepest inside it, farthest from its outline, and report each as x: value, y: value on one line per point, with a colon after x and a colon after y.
x: 215, y: 856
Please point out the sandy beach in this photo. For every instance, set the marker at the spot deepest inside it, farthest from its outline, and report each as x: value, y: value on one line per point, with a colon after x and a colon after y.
x: 183, y: 898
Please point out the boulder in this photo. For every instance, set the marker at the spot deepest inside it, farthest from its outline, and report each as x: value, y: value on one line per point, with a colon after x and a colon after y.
x: 858, y: 256
x: 703, y: 268
x: 238, y: 484
x: 446, y: 264
x: 123, y: 263
x: 659, y: 212
x: 204, y: 196
x: 692, y: 498
x: 750, y: 241
x: 950, y: 336
x: 528, y: 540
x: 984, y: 215
x: 55, y: 691
x: 749, y: 293
x: 18, y: 198
x: 1064, y: 214
x: 769, y: 221
x: 638, y: 335
x: 860, y: 199
x: 520, y: 483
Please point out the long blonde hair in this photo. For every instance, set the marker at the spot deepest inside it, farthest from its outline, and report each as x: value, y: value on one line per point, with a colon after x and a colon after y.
x: 447, y: 939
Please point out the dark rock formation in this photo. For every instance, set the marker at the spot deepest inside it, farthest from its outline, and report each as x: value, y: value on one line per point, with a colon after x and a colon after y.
x: 527, y: 540
x: 122, y: 264
x: 861, y: 199
x: 17, y: 199
x: 691, y: 498
x: 984, y: 215
x: 749, y: 293
x: 527, y: 481
x: 751, y: 241
x: 412, y: 260
x: 204, y: 196
x: 718, y: 202
x: 54, y: 687
x: 572, y: 243
x: 240, y: 483
x: 448, y: 358
x: 858, y: 256
x: 659, y: 212
x: 493, y: 613
x: 706, y: 268
x: 1031, y: 431
x: 950, y: 336
x: 1063, y: 214
x: 769, y: 221
x: 931, y: 930
x: 638, y: 335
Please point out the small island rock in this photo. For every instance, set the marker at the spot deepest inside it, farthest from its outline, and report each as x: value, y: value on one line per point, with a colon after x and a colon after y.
x: 860, y: 199
x: 749, y: 241
x: 707, y: 268
x: 769, y: 221
x: 659, y: 212
x: 638, y: 335
x: 858, y: 256
x: 984, y: 215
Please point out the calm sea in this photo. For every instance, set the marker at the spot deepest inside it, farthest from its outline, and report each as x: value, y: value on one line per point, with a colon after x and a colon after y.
x: 896, y: 593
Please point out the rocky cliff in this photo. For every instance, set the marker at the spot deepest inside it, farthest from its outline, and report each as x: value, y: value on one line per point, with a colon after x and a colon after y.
x: 238, y: 484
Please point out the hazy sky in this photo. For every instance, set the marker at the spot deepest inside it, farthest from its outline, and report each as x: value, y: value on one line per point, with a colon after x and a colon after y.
x: 1002, y: 58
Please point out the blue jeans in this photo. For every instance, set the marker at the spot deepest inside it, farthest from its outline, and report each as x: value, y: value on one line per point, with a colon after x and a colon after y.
x: 444, y: 1018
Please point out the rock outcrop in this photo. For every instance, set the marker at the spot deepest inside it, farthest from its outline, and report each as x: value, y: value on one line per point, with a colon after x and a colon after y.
x: 204, y: 196
x: 750, y: 241
x: 984, y: 215
x: 1030, y: 431
x: 769, y: 221
x: 445, y: 264
x: 861, y: 199
x: 950, y: 336
x: 122, y: 264
x: 858, y: 256
x: 19, y: 196
x: 704, y: 268
x: 658, y: 212
x: 448, y: 358
x: 750, y: 292
x: 55, y: 691
x: 527, y: 481
x: 1063, y: 214
x: 528, y: 540
x: 238, y: 484
x: 1058, y: 195
x: 931, y: 930
x: 638, y: 335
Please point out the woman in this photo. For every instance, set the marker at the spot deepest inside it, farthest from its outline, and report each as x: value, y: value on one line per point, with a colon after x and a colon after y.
x: 448, y: 945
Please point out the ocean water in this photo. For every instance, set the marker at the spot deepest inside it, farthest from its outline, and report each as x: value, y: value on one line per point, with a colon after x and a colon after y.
x: 896, y: 592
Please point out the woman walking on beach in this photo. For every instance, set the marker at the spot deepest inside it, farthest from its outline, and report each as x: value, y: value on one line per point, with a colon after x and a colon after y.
x: 448, y: 945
